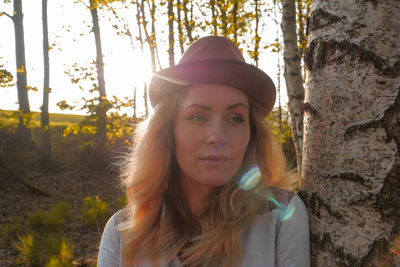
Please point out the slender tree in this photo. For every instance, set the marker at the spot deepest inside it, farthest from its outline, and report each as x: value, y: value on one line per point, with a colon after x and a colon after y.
x: 223, y: 10
x: 101, y: 110
x: 46, y: 142
x: 188, y: 20
x: 257, y: 37
x: 179, y: 8
x: 293, y: 76
x: 171, y: 39
x: 352, y: 133
x: 214, y: 18
x: 23, y: 132
x: 150, y: 38
x: 235, y: 21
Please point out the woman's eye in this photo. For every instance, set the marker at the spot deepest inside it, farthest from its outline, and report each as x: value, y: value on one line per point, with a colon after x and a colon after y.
x: 197, y: 118
x: 236, y: 119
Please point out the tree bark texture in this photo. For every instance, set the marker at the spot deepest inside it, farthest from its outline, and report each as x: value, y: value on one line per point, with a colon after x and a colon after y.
x: 257, y: 38
x: 188, y: 20
x: 352, y: 133
x: 292, y: 74
x: 100, y: 138
x: 46, y: 142
x: 171, y: 19
x: 179, y: 22
x: 23, y: 132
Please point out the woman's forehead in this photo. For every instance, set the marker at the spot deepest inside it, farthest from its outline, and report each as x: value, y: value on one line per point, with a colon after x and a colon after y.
x: 214, y: 95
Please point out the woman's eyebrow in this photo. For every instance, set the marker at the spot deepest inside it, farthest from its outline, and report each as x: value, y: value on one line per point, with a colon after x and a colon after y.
x: 233, y: 106
x: 199, y: 106
x: 237, y: 105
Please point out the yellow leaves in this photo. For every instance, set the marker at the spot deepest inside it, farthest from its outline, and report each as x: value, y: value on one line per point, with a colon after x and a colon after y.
x: 5, y: 78
x: 24, y: 247
x: 64, y: 257
x: 21, y: 68
x: 275, y: 46
x: 63, y: 105
x: 31, y: 88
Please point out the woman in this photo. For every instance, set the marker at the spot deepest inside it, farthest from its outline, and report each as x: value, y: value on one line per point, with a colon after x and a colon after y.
x: 202, y: 181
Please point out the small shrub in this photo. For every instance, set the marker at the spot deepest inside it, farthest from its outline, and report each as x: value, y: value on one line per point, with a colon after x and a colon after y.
x: 94, y: 211
x: 63, y: 257
x: 52, y: 220
x: 28, y: 251
x: 61, y: 210
x: 52, y: 244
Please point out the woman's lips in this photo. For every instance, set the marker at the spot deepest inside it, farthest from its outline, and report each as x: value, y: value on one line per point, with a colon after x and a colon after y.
x: 215, y: 158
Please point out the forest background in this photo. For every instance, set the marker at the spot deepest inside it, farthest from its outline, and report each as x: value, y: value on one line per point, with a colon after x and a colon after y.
x: 59, y: 170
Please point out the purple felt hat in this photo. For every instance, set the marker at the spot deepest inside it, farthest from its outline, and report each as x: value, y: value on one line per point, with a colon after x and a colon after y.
x: 214, y: 59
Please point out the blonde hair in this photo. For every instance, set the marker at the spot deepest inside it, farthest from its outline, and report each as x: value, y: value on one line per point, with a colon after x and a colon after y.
x: 160, y: 225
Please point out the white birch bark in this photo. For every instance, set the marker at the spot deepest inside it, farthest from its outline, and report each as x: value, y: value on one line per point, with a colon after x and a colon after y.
x: 351, y: 156
x: 292, y: 74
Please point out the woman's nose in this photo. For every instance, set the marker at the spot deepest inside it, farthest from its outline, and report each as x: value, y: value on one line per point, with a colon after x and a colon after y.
x: 217, y: 134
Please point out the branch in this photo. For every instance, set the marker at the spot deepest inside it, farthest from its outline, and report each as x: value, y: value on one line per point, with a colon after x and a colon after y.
x: 4, y: 13
x: 88, y: 6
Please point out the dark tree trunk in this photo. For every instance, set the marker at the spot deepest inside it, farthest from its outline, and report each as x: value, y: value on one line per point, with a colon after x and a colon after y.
x: 214, y: 17
x: 187, y: 22
x: 23, y: 132
x: 46, y: 141
x: 179, y: 21
x: 257, y: 38
x: 235, y: 26
x: 171, y: 19
x: 150, y: 39
x: 101, y: 110
x: 223, y: 18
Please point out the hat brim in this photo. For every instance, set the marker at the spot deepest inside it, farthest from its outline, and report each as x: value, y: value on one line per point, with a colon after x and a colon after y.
x: 245, y: 77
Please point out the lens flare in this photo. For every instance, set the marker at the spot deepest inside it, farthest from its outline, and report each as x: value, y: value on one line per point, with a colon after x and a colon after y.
x: 250, y: 178
x: 285, y: 211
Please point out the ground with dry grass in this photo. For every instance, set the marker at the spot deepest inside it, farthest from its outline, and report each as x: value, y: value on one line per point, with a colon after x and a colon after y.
x: 67, y: 178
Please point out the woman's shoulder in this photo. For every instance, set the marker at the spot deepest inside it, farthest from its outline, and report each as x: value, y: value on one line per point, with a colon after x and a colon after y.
x: 120, y: 216
x: 109, y: 251
x: 278, y: 198
x: 277, y: 234
x: 285, y: 211
x: 285, y: 204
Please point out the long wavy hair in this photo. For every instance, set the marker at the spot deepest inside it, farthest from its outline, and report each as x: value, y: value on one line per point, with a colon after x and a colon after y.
x: 159, y: 223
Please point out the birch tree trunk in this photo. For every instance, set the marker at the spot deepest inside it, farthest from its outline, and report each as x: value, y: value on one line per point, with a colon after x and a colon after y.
x: 292, y: 74
x: 352, y: 133
x: 46, y: 142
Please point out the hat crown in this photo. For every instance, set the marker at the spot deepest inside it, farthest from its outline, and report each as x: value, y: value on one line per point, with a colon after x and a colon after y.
x: 212, y: 47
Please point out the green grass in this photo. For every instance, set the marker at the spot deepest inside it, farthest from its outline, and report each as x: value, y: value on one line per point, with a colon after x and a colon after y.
x: 56, y: 119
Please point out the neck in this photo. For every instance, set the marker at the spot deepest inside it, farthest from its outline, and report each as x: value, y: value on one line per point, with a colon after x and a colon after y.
x: 194, y: 194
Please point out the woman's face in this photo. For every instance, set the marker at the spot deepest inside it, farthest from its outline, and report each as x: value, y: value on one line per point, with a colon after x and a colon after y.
x: 211, y: 132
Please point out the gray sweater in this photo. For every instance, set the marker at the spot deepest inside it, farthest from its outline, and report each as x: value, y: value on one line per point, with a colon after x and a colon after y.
x: 278, y: 238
